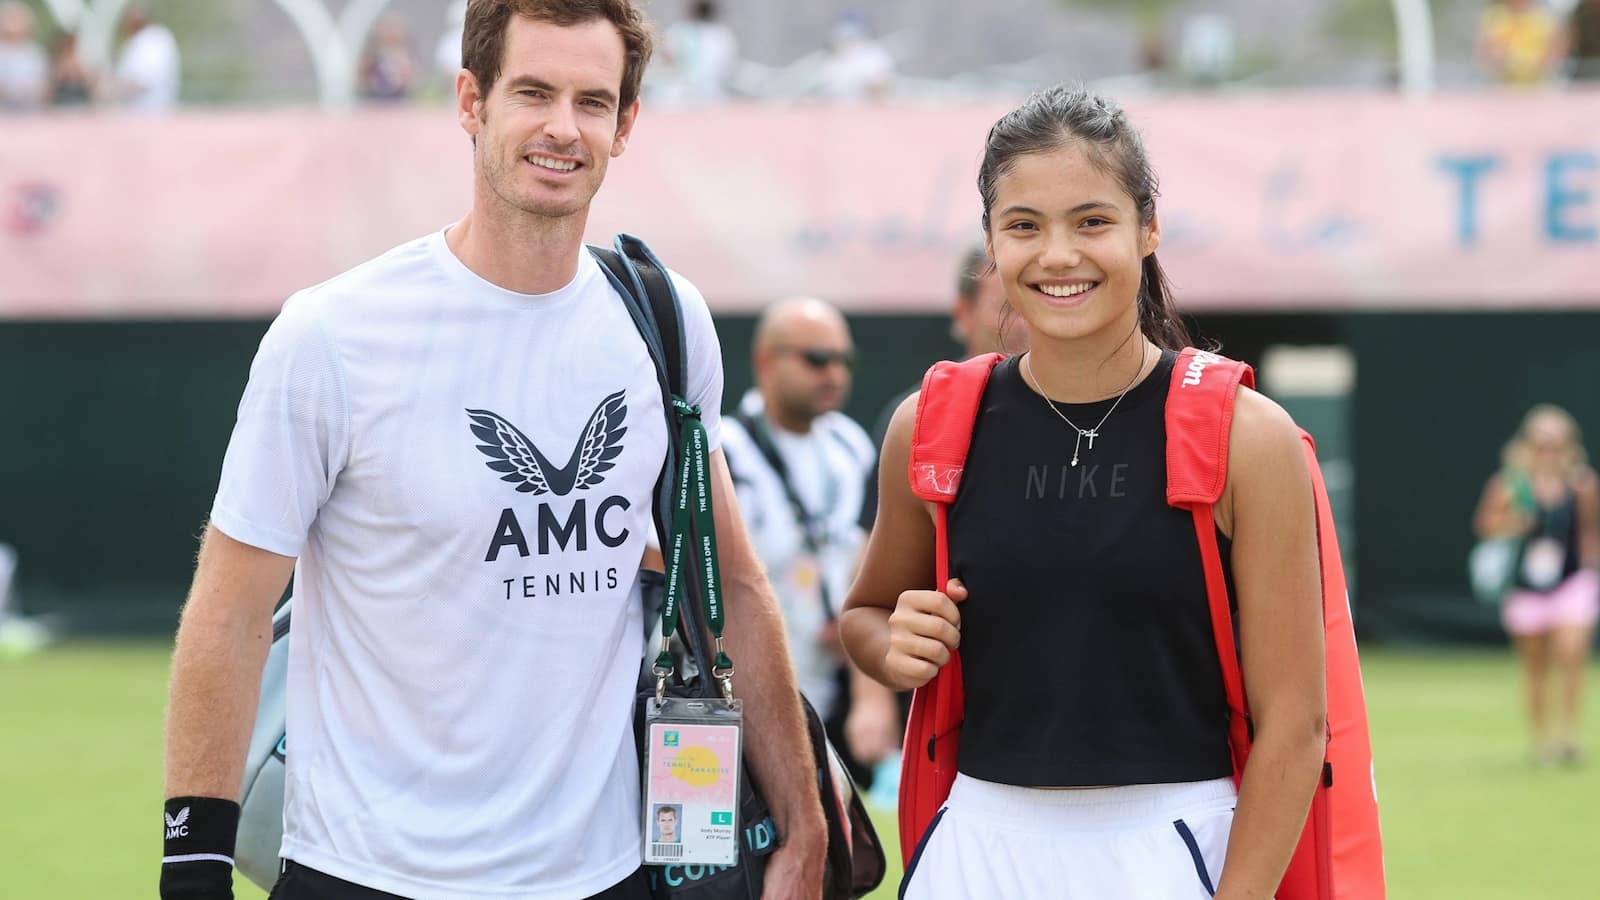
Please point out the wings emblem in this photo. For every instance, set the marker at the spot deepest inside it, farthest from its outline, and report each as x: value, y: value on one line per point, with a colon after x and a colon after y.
x: 512, y: 454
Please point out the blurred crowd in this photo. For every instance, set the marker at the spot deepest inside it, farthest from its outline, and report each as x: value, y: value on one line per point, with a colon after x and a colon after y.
x: 1519, y: 43
x: 698, y: 63
x: 145, y: 77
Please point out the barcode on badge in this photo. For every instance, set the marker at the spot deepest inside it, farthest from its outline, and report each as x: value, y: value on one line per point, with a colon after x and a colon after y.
x: 666, y: 851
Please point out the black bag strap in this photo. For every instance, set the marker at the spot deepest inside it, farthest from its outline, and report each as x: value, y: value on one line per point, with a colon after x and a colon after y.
x: 810, y: 526
x: 633, y: 270
x: 647, y: 291
x: 632, y: 265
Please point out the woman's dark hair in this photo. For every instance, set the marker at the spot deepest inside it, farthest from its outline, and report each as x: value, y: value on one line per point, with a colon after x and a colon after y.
x: 1063, y: 116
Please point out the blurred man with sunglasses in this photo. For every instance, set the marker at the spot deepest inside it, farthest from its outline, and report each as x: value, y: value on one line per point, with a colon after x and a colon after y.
x: 799, y: 466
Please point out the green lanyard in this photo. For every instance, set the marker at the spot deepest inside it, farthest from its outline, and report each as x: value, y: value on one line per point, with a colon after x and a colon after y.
x: 694, y: 473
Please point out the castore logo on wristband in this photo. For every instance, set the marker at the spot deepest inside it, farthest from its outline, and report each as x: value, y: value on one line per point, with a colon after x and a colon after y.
x: 175, y: 825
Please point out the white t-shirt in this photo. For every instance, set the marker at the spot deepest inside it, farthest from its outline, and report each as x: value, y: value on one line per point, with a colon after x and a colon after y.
x: 466, y: 476
x: 828, y: 468
x: 150, y: 60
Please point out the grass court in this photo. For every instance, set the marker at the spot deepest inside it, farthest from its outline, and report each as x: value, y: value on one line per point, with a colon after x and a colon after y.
x: 1466, y: 814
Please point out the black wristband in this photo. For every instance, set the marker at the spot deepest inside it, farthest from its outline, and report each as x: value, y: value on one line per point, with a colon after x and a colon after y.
x: 197, y: 848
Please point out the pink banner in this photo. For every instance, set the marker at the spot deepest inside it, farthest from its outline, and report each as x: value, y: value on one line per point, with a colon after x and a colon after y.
x: 1304, y: 201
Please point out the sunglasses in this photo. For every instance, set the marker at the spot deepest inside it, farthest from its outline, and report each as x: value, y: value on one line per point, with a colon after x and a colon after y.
x: 821, y: 359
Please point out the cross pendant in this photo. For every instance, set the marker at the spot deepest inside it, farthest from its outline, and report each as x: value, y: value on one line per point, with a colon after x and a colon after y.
x: 1091, y: 434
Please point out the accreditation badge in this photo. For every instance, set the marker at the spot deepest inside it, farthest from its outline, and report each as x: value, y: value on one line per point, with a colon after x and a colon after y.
x: 691, y: 782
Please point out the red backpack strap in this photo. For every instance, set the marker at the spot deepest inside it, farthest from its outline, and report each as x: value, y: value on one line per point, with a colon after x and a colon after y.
x: 946, y: 411
x: 1199, y: 418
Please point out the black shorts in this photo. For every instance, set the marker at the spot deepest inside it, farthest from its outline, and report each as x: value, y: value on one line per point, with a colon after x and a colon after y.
x: 300, y: 883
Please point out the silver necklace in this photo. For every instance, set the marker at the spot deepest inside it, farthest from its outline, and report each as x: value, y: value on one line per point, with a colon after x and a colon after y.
x: 1090, y: 433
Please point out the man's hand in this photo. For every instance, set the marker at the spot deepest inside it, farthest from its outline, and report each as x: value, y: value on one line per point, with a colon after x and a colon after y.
x: 795, y: 870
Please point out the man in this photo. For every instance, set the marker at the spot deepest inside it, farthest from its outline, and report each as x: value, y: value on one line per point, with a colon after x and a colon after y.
x: 667, y: 825
x: 467, y: 637
x: 148, y: 69
x: 980, y: 322
x: 799, y: 465
x: 24, y: 67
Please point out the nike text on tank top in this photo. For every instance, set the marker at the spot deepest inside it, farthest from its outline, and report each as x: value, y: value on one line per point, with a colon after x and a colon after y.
x: 1086, y: 642
x: 466, y: 476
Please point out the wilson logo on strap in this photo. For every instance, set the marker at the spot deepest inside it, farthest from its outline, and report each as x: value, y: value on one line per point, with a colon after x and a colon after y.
x: 934, y: 479
x: 1197, y: 367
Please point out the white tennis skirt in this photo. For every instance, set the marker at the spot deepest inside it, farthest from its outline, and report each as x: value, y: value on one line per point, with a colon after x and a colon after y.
x: 1139, y: 842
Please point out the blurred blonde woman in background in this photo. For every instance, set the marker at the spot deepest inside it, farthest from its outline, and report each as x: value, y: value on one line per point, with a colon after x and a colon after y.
x: 1547, y: 497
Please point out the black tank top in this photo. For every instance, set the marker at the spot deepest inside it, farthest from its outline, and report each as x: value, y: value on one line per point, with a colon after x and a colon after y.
x: 1556, y: 525
x: 1085, y: 640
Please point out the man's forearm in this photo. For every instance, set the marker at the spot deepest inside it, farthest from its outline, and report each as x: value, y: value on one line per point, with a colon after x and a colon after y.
x: 776, y: 742
x: 211, y: 705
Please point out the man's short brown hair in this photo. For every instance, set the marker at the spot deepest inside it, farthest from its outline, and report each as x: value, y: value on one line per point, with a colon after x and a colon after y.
x: 483, y: 40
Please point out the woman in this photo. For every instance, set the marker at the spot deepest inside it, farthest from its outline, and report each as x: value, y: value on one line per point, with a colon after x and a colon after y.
x: 1547, y: 496
x: 1094, y: 760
